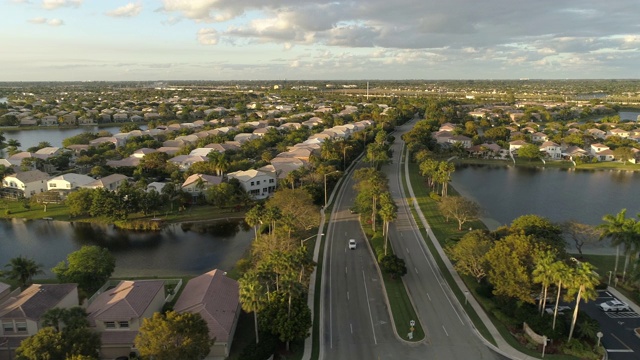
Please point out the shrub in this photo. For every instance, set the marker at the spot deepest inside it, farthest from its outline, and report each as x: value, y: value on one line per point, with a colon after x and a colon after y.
x: 485, y: 289
x: 579, y: 349
x: 434, y: 196
x: 503, y: 318
x: 260, y: 351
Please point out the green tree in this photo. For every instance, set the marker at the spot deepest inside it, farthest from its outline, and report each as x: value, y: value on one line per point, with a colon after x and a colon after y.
x: 582, y: 283
x: 46, y: 344
x: 89, y: 267
x: 529, y: 152
x: 459, y: 208
x: 511, y: 262
x: 623, y: 153
x: 288, y: 325
x: 174, y: 336
x: 561, y: 273
x: 388, y: 213
x: 296, y: 204
x: 543, y: 274
x: 541, y: 228
x: 469, y: 254
x: 619, y: 229
x: 79, y: 201
x: 252, y: 297
x: 393, y: 265
x: 22, y: 270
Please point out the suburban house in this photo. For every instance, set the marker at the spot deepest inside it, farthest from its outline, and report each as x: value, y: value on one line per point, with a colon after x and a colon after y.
x: 21, y: 312
x: 216, y: 298
x: 574, y: 152
x: 597, y: 133
x: 184, y: 162
x: 68, y: 182
x: 24, y: 184
x: 460, y: 139
x: 117, y: 314
x: 516, y: 144
x: 539, y: 137
x: 597, y: 147
x: 256, y: 183
x: 110, y: 182
x: 197, y: 184
x: 552, y: 150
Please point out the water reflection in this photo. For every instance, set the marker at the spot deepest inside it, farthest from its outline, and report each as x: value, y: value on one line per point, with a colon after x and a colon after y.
x: 177, y: 249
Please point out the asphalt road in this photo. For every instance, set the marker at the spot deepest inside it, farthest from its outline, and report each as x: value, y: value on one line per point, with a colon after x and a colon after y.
x: 355, y: 319
x: 617, y: 328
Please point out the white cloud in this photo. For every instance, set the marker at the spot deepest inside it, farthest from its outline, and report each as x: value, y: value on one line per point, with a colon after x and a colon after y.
x: 129, y: 10
x: 207, y: 36
x: 55, y: 22
x: 38, y: 20
x: 54, y: 4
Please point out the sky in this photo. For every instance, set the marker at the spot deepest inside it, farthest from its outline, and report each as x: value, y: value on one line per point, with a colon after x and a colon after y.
x: 149, y: 40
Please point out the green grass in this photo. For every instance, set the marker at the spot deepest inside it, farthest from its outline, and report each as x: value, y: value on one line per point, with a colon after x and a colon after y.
x: 402, y: 309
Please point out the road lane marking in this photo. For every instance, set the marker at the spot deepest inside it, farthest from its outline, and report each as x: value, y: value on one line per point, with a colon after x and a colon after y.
x: 416, y: 269
x: 619, y: 351
x: 445, y: 330
x: 351, y: 326
x: 346, y: 271
x: 407, y: 250
x: 621, y: 342
x: 364, y: 280
x: 347, y: 295
x: 429, y: 296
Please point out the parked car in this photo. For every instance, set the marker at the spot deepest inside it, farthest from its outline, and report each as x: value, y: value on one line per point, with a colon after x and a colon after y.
x: 561, y: 309
x: 352, y: 244
x: 614, y: 305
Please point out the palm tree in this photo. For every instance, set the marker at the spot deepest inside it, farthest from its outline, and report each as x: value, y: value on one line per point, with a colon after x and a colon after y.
x: 388, y: 213
x: 560, y: 273
x: 582, y: 282
x: 253, y: 217
x: 614, y: 227
x: 22, y: 270
x: 543, y: 274
x: 251, y: 296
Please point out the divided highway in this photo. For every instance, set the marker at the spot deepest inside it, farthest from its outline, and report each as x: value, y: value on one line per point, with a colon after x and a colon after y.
x: 355, y: 321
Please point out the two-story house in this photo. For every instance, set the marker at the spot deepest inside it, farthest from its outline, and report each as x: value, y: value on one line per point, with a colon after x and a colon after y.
x: 25, y: 184
x: 552, y: 150
x: 109, y: 182
x: 117, y: 314
x: 66, y: 183
x: 257, y: 184
x: 21, y: 312
x: 197, y: 184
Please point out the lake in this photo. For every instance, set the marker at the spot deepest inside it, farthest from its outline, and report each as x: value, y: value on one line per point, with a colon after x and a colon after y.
x: 180, y: 249
x: 53, y: 135
x: 507, y: 192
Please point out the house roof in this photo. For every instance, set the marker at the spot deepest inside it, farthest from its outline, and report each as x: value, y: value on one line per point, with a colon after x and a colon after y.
x: 35, y: 300
x: 245, y: 176
x: 29, y: 176
x: 215, y: 297
x: 128, y: 300
x: 207, y: 179
x: 106, y: 181
x: 547, y: 144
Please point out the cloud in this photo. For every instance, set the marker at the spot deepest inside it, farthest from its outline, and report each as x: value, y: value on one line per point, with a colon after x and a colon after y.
x: 50, y: 22
x: 38, y: 20
x: 207, y: 36
x: 55, y: 22
x: 54, y: 4
x: 129, y: 10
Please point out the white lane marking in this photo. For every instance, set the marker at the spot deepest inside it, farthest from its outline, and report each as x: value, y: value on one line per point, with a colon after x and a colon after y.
x: 407, y: 250
x: 416, y: 269
x: 351, y: 326
x: 346, y: 271
x: 347, y: 295
x: 445, y: 330
x: 429, y: 296
x: 364, y: 280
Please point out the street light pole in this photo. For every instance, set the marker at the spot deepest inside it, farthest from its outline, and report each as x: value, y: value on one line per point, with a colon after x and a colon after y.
x: 310, y: 237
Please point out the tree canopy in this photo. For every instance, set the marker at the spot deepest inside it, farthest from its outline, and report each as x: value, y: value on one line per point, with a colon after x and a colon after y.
x: 174, y: 336
x: 89, y: 267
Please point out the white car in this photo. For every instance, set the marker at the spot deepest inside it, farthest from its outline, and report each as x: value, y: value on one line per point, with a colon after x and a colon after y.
x: 561, y: 309
x: 614, y: 305
x: 352, y: 244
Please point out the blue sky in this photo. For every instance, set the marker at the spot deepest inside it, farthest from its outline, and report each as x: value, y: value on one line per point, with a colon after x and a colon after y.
x: 71, y: 40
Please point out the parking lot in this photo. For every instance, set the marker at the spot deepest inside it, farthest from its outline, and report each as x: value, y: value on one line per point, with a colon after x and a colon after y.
x: 617, y: 328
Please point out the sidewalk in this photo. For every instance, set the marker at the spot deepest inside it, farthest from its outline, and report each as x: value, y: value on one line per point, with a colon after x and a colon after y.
x: 502, y: 347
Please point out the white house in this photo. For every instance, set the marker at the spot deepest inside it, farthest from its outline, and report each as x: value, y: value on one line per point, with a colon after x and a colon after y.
x: 25, y: 184
x: 68, y: 182
x: 596, y: 148
x: 110, y: 182
x: 256, y: 183
x: 552, y: 149
x: 516, y: 144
